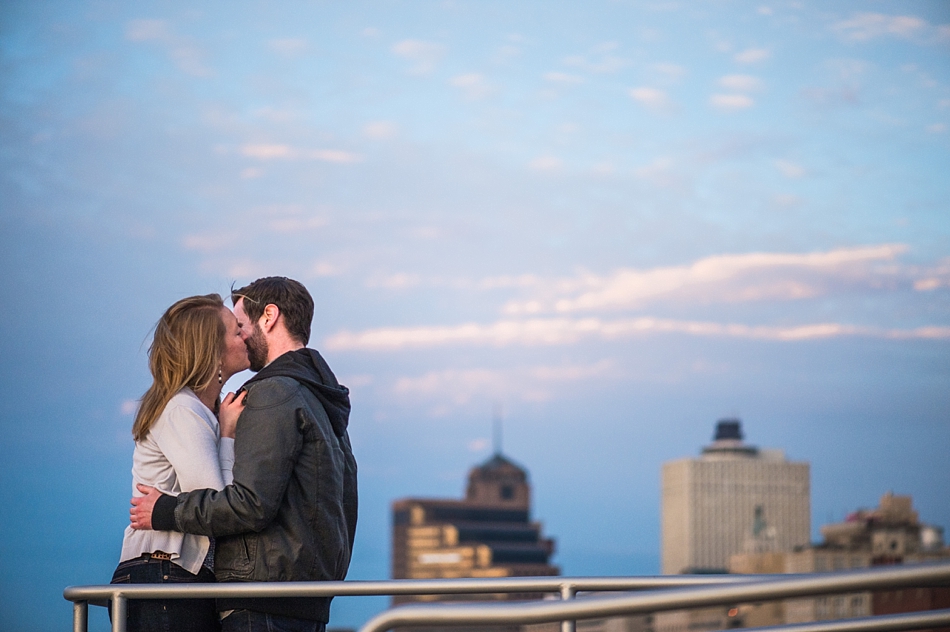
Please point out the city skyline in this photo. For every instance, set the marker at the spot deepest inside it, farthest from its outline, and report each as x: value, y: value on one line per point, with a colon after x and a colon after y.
x: 619, y: 220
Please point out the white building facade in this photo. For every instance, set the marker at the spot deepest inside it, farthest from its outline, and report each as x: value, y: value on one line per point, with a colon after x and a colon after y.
x: 733, y: 498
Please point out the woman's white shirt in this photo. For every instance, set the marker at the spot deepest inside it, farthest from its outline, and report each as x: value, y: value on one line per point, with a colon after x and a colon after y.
x: 182, y: 452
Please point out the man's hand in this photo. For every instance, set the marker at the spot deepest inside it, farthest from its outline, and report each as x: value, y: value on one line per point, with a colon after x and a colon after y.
x: 142, y: 506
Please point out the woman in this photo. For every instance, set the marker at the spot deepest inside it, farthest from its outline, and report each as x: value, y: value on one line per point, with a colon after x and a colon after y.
x: 179, y: 446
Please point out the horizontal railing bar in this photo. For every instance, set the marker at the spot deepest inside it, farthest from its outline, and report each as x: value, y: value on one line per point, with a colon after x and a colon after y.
x: 599, y: 606
x: 364, y: 588
x: 879, y: 623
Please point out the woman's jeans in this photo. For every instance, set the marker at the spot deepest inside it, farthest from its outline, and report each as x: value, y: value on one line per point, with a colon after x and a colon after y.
x: 166, y: 615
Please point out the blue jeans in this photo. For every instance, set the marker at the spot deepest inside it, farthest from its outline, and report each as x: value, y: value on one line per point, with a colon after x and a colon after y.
x: 166, y: 615
x: 250, y: 621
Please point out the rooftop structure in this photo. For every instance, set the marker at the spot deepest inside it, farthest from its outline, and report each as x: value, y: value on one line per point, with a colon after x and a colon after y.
x: 489, y: 533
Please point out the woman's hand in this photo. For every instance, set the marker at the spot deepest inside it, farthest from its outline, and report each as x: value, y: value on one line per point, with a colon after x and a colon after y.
x: 228, y: 413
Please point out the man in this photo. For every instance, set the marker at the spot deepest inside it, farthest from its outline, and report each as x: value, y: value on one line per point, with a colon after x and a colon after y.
x: 290, y: 514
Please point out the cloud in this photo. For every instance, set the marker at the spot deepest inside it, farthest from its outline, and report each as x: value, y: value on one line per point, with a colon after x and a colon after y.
x: 275, y: 151
x: 505, y: 52
x: 186, y: 55
x: 528, y: 383
x: 720, y: 278
x: 566, y: 331
x: 129, y: 406
x: 546, y: 164
x: 477, y: 445
x: 190, y: 60
x: 933, y: 278
x: 659, y: 172
x: 937, y: 128
x: 424, y: 55
x: 562, y: 78
x: 277, y: 115
x: 210, y: 242
x: 507, y: 281
x: 147, y: 30
x: 380, y: 130
x: 333, y: 155
x: 324, y: 269
x: 398, y: 281
x: 786, y: 200
x: 832, y: 97
x: 289, y: 47
x: 473, y: 85
x: 866, y: 26
x: 601, y: 60
x: 740, y: 83
x: 651, y: 98
x: 668, y: 72
x: 731, y: 102
x: 790, y: 169
x: 267, y: 152
x: 752, y: 55
x: 926, y: 285
x: 296, y: 224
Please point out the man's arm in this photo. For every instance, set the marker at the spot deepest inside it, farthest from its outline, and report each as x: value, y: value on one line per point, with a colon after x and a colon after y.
x: 266, y: 446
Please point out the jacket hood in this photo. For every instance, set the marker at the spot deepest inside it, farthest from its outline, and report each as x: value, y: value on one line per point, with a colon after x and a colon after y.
x: 309, y: 368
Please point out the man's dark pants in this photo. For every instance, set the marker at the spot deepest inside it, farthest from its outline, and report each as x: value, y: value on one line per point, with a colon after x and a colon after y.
x: 249, y: 621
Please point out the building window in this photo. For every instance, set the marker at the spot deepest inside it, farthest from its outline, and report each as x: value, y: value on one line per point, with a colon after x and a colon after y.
x: 507, y: 492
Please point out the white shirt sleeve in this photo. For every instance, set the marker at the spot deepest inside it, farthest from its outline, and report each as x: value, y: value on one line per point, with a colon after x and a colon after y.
x: 190, y: 443
x: 226, y: 458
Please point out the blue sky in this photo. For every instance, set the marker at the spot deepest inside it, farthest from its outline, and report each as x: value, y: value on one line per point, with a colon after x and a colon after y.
x: 619, y: 221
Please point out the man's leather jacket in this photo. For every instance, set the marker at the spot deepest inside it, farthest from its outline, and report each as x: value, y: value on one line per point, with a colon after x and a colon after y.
x: 290, y: 514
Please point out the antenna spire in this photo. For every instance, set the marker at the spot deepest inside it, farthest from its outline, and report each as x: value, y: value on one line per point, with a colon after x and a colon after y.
x: 496, y: 427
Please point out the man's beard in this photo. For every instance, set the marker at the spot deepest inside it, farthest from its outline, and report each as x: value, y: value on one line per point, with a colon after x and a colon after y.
x: 256, y: 345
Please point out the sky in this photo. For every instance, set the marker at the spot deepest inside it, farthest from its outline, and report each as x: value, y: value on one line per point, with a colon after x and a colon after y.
x: 613, y: 222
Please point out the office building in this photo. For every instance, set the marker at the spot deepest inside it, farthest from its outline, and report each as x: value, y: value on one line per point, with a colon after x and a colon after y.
x: 489, y: 533
x: 733, y: 498
x: 889, y: 534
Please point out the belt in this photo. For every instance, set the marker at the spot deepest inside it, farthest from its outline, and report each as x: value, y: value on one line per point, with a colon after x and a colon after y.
x: 157, y: 555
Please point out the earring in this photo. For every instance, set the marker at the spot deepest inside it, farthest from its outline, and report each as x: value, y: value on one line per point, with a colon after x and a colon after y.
x: 219, y: 377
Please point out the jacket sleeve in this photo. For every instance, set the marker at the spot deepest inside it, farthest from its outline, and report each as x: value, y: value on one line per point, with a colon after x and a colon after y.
x: 267, y: 443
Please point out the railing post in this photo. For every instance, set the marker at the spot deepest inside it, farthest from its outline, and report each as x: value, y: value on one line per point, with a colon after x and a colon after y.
x: 80, y: 616
x: 119, y: 612
x: 568, y: 592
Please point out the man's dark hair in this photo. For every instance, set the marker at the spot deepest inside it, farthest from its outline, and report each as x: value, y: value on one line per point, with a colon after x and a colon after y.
x: 291, y: 298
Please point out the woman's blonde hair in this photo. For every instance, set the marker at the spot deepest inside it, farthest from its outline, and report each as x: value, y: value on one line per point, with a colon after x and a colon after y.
x: 186, y: 351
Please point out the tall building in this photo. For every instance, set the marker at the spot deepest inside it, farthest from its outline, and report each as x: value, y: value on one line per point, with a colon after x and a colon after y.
x: 889, y: 534
x: 489, y: 533
x: 732, y: 499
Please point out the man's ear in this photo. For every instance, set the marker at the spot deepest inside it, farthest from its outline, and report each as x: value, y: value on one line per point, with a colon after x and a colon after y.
x: 269, y: 318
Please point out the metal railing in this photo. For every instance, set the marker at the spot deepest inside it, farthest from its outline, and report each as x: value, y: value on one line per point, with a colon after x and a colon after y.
x: 674, y: 592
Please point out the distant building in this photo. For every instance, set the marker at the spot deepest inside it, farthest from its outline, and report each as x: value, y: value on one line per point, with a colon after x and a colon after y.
x: 488, y: 534
x: 890, y: 534
x: 733, y: 498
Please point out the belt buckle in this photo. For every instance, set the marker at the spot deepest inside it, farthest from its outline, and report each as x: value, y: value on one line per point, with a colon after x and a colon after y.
x: 160, y: 555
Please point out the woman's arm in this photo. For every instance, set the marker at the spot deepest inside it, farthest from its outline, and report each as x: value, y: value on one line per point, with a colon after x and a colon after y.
x: 228, y: 414
x: 190, y: 443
